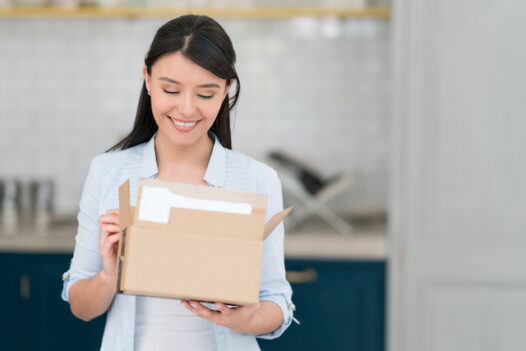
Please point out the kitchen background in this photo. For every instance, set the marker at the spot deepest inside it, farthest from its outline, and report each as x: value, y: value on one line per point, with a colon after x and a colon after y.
x: 417, y: 105
x: 314, y: 84
x: 316, y: 87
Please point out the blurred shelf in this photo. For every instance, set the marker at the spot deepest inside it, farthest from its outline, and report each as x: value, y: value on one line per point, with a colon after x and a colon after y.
x: 334, y: 246
x: 136, y: 12
x: 314, y: 239
x: 58, y: 239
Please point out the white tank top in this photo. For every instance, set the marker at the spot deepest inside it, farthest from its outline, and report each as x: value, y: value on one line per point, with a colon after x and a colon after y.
x: 164, y: 324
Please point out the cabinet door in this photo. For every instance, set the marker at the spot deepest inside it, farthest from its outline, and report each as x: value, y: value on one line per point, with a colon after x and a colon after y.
x: 33, y: 316
x: 11, y: 306
x: 52, y: 326
x: 340, y: 305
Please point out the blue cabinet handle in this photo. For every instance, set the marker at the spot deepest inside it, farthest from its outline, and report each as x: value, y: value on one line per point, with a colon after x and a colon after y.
x: 309, y: 275
x: 25, y: 287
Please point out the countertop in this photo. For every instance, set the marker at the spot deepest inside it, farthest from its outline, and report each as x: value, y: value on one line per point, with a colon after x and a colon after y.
x: 313, y: 239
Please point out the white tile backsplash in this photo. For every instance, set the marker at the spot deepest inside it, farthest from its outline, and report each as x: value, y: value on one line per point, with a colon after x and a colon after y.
x: 69, y: 89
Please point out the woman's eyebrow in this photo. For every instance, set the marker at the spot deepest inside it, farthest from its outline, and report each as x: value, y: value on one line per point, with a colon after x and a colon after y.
x: 208, y: 85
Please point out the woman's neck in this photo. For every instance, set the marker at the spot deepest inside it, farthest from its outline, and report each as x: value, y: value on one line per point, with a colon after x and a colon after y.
x: 182, y: 161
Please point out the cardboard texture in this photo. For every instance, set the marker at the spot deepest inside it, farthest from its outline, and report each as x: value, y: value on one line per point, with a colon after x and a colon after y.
x: 203, y: 255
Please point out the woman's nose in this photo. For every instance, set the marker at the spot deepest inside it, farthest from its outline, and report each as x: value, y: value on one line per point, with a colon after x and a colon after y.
x: 187, y: 107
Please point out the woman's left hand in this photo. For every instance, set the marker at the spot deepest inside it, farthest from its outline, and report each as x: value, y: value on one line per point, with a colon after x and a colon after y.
x: 239, y: 319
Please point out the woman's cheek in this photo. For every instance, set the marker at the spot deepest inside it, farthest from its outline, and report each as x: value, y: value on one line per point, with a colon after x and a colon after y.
x: 162, y: 106
x: 213, y: 109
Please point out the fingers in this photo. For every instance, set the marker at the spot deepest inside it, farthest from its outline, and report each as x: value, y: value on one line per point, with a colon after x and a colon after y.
x: 109, y: 218
x: 229, y: 317
x: 110, y: 228
x: 109, y: 224
x: 108, y: 244
x: 112, y: 216
x: 200, y: 310
x: 113, y: 238
x: 107, y: 231
x: 109, y: 234
x: 223, y: 308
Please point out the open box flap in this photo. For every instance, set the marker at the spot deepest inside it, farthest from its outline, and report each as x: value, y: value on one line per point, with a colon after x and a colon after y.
x: 124, y: 204
x: 125, y: 220
x: 274, y: 221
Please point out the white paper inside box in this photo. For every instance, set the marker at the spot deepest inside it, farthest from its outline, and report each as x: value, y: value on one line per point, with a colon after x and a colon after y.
x: 195, y: 242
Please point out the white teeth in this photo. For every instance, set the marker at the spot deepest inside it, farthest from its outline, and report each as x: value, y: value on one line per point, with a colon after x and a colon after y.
x: 184, y: 124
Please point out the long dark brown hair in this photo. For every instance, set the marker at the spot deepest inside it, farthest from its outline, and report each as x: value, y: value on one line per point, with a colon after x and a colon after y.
x: 203, y: 41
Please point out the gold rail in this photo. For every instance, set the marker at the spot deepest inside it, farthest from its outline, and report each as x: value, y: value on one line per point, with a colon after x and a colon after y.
x: 135, y: 12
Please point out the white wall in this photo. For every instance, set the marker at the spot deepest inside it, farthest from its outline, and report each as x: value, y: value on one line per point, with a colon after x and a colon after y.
x: 69, y: 89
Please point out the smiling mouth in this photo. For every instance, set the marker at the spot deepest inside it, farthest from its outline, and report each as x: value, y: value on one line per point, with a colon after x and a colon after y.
x: 184, y: 124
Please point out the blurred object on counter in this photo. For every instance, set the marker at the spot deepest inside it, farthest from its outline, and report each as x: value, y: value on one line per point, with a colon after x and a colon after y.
x: 70, y: 4
x: 110, y: 3
x: 340, y: 4
x: 175, y: 4
x: 25, y: 203
x: 9, y: 199
x: 378, y: 3
x: 305, y: 189
x: 44, y: 190
x: 30, y: 3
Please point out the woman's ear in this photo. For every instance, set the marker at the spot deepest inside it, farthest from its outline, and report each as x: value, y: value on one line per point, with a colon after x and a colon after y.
x: 146, y: 77
x: 227, y: 89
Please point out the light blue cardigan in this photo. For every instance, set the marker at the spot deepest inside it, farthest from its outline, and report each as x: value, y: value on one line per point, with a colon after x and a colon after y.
x: 226, y: 168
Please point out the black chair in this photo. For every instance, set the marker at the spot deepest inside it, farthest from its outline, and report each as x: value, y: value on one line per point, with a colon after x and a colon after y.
x: 311, y: 192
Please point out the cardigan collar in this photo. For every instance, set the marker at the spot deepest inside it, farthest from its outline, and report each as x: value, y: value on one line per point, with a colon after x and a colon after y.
x: 215, y: 171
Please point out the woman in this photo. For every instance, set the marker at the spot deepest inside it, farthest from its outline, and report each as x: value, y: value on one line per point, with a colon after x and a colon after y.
x: 181, y: 134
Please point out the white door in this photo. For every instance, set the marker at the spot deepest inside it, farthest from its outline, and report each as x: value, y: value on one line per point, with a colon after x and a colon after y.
x: 457, y: 275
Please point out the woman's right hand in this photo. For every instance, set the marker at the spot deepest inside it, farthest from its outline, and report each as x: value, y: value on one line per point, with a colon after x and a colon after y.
x: 109, y: 243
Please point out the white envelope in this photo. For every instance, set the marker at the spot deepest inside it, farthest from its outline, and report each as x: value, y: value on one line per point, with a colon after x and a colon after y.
x: 156, y: 203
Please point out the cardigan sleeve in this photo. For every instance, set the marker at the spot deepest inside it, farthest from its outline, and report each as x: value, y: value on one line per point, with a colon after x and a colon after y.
x: 86, y: 261
x: 274, y: 285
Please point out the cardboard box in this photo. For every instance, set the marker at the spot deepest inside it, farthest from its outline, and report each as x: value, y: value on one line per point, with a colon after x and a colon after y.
x: 198, y: 252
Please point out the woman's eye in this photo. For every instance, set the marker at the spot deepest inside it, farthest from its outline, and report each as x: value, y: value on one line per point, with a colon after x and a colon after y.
x: 177, y: 92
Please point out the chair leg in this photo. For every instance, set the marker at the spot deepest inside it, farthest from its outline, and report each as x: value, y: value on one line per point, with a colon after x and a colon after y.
x: 335, y: 221
x: 298, y: 215
x: 314, y: 207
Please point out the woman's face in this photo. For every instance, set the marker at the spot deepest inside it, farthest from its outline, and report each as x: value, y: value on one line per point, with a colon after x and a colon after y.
x: 185, y: 98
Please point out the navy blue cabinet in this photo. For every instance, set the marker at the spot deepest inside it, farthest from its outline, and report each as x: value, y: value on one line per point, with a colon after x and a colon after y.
x: 33, y: 316
x: 340, y: 305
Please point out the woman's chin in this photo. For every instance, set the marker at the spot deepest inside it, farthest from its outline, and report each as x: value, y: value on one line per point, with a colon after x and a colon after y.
x: 184, y: 139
